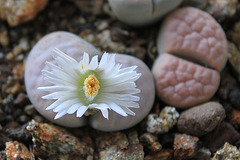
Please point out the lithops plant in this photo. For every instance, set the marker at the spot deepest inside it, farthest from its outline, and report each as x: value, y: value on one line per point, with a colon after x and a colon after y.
x: 141, y: 12
x: 71, y: 83
x: 195, y: 36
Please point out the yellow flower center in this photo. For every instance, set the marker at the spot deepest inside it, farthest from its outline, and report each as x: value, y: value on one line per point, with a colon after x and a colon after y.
x: 91, y: 85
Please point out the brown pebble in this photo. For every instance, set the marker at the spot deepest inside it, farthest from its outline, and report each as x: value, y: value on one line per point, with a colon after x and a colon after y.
x: 133, y: 152
x: 30, y: 110
x: 18, y: 70
x: 116, y: 138
x: 12, y: 86
x: 17, y: 151
x: 150, y: 142
x: 235, y: 118
x: 185, y: 146
x: 133, y: 137
x: 201, y: 119
x: 21, y: 99
x: 4, y: 40
x: 19, y: 133
x: 224, y: 132
x: 17, y: 12
x: 116, y: 145
x: 51, y: 141
x: 164, y: 154
x: 3, y: 138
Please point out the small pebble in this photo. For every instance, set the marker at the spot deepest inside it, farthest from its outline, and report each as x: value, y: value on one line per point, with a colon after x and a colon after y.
x: 2, y: 115
x: 24, y: 44
x: 228, y: 152
x: 234, y: 34
x: 201, y: 119
x: 12, y: 86
x: 185, y: 146
x: 93, y: 6
x: 21, y: 99
x: 162, y: 123
x: 203, y: 154
x: 2, y: 55
x: 17, y: 151
x: 38, y: 118
x: 4, y: 40
x: 221, y: 9
x: 101, y: 25
x: 235, y: 118
x: 112, y: 139
x: 234, y: 95
x: 51, y: 141
x: 164, y: 154
x: 201, y: 4
x: 115, y: 145
x: 106, y: 43
x: 30, y: 110
x: 227, y: 84
x: 234, y: 58
x: 9, y: 56
x: 23, y: 118
x: 133, y: 137
x: 16, y: 50
x: 133, y: 152
x: 224, y: 132
x: 19, y: 133
x: 150, y: 142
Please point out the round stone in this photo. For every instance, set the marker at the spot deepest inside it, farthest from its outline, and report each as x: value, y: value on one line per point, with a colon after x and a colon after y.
x: 201, y: 119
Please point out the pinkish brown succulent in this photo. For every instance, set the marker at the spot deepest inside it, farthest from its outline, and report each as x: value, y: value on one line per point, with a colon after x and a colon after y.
x: 193, y: 35
x: 182, y: 83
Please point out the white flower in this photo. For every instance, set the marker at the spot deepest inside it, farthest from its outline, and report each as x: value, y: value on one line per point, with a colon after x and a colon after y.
x: 84, y: 87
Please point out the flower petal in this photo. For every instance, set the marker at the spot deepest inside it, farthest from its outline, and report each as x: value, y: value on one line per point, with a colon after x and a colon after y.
x: 94, y: 63
x: 81, y: 110
x: 60, y: 114
x: 65, y: 105
x: 117, y: 109
x: 73, y: 108
x: 104, y: 113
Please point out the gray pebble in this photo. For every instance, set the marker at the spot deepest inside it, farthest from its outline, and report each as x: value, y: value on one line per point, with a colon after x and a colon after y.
x: 201, y: 119
x: 162, y: 123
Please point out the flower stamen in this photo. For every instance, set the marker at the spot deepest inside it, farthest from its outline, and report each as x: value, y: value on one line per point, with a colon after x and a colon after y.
x: 91, y: 86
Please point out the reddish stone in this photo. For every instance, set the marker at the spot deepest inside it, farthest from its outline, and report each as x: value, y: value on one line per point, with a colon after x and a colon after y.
x: 17, y: 12
x: 235, y: 118
x: 50, y: 141
x: 164, y: 154
x: 150, y: 142
x: 185, y: 146
x: 17, y: 151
